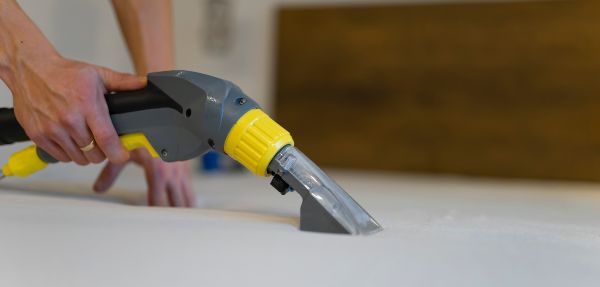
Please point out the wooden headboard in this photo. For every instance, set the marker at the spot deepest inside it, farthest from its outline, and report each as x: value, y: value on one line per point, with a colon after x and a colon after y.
x: 502, y: 89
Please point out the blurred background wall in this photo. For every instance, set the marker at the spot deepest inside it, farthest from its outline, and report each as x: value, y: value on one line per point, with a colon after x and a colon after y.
x: 242, y: 40
x: 87, y: 30
x: 486, y: 89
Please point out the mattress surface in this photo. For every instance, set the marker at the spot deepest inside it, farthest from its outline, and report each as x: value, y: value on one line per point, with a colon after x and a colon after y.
x: 439, y: 231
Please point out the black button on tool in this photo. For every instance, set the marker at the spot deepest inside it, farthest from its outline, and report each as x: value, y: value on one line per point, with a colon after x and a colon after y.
x: 279, y: 184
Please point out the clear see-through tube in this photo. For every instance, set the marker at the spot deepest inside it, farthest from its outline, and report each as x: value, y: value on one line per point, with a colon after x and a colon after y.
x: 327, y: 192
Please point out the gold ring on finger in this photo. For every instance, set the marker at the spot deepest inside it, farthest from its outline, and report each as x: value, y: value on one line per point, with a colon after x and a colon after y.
x: 88, y: 147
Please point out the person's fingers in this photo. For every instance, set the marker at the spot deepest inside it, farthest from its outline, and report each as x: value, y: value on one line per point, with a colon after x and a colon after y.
x: 188, y: 194
x: 62, y: 138
x: 104, y: 133
x: 115, y: 81
x: 175, y: 194
x: 155, y: 177
x: 156, y: 184
x: 107, y: 177
x: 95, y: 155
x: 82, y: 136
x: 141, y: 156
x: 40, y: 138
x: 53, y: 149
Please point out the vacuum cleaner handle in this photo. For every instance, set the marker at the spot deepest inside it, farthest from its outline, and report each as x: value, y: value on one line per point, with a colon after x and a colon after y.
x: 10, y: 129
x: 118, y: 102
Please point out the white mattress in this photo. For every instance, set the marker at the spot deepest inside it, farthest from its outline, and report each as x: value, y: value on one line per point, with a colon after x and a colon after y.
x: 439, y: 232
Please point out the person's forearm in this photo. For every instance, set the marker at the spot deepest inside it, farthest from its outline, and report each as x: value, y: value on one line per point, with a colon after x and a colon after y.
x: 20, y: 41
x: 148, y: 30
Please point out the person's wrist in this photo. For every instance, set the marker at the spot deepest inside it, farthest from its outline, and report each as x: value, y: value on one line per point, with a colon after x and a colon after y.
x: 21, y: 61
x: 21, y: 44
x: 8, y: 11
x: 6, y: 70
x: 4, y: 50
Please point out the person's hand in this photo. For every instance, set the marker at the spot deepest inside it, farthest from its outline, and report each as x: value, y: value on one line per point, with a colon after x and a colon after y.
x: 168, y: 183
x: 60, y: 104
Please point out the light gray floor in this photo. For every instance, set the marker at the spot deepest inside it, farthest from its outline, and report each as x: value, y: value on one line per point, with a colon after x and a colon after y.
x: 440, y: 231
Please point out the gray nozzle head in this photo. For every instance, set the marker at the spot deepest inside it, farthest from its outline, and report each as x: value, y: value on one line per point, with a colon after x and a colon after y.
x: 326, y: 207
x: 313, y: 217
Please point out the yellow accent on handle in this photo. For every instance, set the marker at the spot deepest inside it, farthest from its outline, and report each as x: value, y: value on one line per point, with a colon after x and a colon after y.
x: 255, y: 139
x: 26, y: 162
x: 137, y: 140
x: 23, y: 163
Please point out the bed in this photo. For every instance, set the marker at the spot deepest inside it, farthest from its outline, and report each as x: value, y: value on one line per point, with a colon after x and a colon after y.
x: 439, y: 231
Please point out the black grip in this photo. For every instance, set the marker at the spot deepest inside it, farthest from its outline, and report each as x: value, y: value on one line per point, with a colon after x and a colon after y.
x: 147, y: 98
x: 119, y: 102
x: 10, y: 130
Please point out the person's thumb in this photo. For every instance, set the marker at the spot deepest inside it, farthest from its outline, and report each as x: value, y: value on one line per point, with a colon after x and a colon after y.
x: 115, y: 81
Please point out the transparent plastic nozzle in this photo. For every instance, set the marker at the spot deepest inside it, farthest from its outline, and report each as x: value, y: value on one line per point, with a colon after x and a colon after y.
x: 326, y: 206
